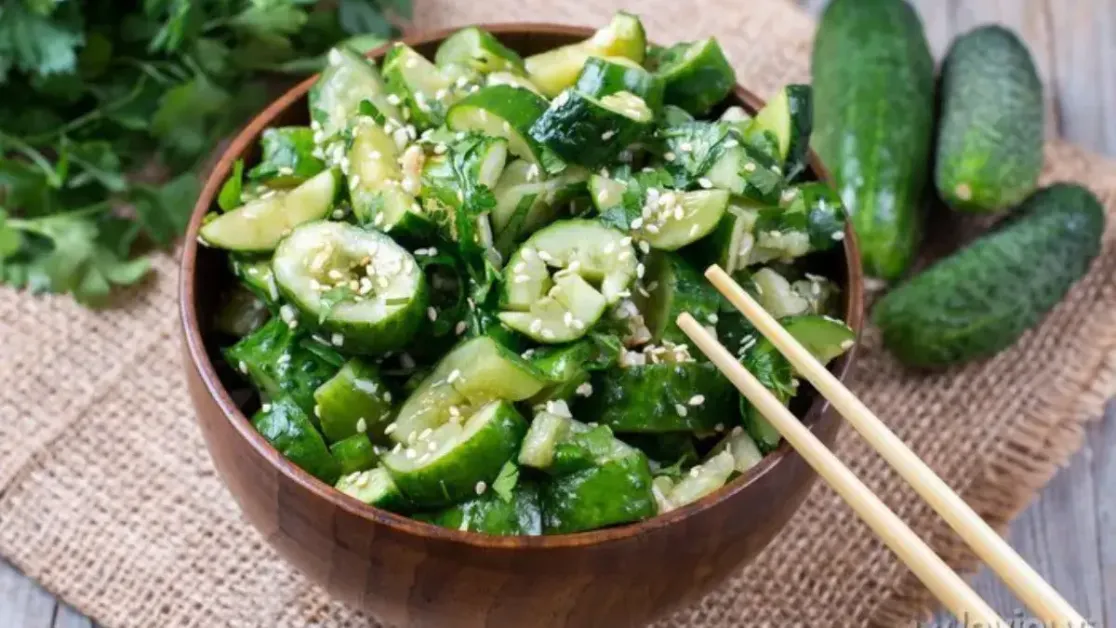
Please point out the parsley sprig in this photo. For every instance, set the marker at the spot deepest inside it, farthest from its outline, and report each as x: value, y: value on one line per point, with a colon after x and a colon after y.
x: 111, y: 108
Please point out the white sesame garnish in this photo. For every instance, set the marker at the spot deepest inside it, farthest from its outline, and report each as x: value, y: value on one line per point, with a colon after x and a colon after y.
x: 705, y: 182
x: 585, y: 390
x: 696, y: 400
x: 391, y: 427
x: 685, y: 147
x: 394, y: 99
x: 838, y: 235
x: 680, y: 409
x: 317, y: 411
x: 361, y: 425
x: 425, y: 434
x: 637, y: 223
x: 337, y: 340
x: 750, y: 167
x: 548, y: 334
x: 266, y: 407
x: 481, y: 487
x: 242, y: 367
x: 410, y: 453
x: 460, y: 327
x: 607, y: 135
x: 670, y: 156
x: 846, y: 345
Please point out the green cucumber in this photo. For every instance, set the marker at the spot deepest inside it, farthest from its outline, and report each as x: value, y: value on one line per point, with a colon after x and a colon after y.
x: 514, y: 80
x: 348, y: 80
x: 475, y: 372
x: 563, y: 314
x: 287, y: 157
x: 776, y: 294
x: 280, y: 363
x: 992, y: 127
x: 697, y: 76
x: 568, y: 367
x: 732, y: 241
x: 502, y: 111
x: 355, y: 453
x: 241, y: 312
x: 748, y: 172
x: 661, y: 397
x: 255, y: 274
x: 375, y: 488
x: 673, y: 286
x: 480, y: 51
x: 789, y: 117
x: 589, y: 131
x: 354, y: 401
x: 525, y: 202
x: 284, y: 424
x: 358, y: 286
x: 556, y: 70
x: 873, y: 119
x: 981, y: 299
x: 617, y: 490
x: 665, y: 449
x: 701, y: 480
x: 745, y: 453
x: 421, y: 86
x: 541, y: 441
x: 455, y: 461
x: 681, y: 218
x: 382, y: 194
x: 603, y: 76
x: 259, y: 225
x: 491, y: 514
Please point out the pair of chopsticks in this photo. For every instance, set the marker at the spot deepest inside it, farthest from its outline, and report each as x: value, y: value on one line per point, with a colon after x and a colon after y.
x: 954, y: 593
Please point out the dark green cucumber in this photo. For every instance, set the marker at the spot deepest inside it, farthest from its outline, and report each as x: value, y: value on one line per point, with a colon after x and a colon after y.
x: 673, y: 286
x: 288, y: 157
x: 255, y: 273
x: 873, y: 121
x: 604, y: 76
x: 375, y: 488
x: 421, y: 87
x: 991, y: 132
x: 490, y: 514
x: 615, y: 491
x: 746, y: 171
x: 502, y: 111
x: 979, y: 300
x: 480, y: 51
x: 568, y: 367
x: 789, y: 118
x: 289, y: 430
x: 697, y: 75
x: 661, y: 397
x: 665, y: 449
x: 355, y: 453
x: 589, y: 131
x: 355, y: 401
x: 242, y: 312
x: 280, y: 364
x: 348, y: 80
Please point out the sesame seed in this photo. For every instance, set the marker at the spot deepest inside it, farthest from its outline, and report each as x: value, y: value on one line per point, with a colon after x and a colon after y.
x: 626, y: 240
x: 454, y: 411
x: 695, y: 472
x: 521, y: 279
x: 440, y: 149
x: 454, y: 375
x: 578, y: 324
x: 548, y: 334
x: 585, y: 390
x: 607, y: 135
x: 680, y: 409
x: 460, y: 327
x: 318, y: 411
x: 838, y: 235
x: 391, y: 427
x: 640, y: 270
x: 361, y: 425
x: 337, y: 340
x: 696, y: 400
x: 535, y: 326
x: 705, y: 182
x: 242, y: 367
x: 266, y: 407
x: 425, y: 434
x: 846, y: 345
x: 561, y: 99
x: 481, y: 487
x: 685, y: 147
x: 750, y: 167
x: 433, y: 446
x: 410, y: 453
x: 423, y: 458
x: 712, y: 318
x: 432, y: 313
x: 624, y: 255
x: 394, y: 99
x: 637, y: 223
x: 670, y: 156
x: 652, y: 228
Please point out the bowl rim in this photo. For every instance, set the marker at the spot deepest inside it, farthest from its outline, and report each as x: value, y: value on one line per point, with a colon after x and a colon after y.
x: 199, y: 358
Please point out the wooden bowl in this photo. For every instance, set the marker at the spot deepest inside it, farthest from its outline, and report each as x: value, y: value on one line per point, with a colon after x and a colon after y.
x: 416, y: 574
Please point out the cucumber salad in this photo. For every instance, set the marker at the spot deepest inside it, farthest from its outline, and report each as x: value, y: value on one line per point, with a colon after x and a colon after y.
x: 457, y: 286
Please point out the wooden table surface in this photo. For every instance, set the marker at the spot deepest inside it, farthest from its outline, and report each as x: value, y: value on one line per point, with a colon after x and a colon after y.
x: 1069, y: 533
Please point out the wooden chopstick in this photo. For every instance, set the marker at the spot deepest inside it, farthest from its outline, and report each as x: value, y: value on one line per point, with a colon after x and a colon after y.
x: 1020, y: 577
x: 942, y: 581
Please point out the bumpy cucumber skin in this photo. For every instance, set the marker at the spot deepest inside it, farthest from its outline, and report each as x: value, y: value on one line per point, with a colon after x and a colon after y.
x: 981, y: 299
x: 618, y: 491
x: 375, y: 488
x: 873, y: 122
x: 990, y: 137
x: 354, y: 453
x: 647, y: 398
x: 601, y: 77
x: 583, y: 132
x: 702, y: 82
x: 490, y: 514
x: 680, y: 288
x: 290, y: 431
x: 356, y: 392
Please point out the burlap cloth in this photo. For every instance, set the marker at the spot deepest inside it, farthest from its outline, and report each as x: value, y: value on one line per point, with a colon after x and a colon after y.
x: 108, y: 498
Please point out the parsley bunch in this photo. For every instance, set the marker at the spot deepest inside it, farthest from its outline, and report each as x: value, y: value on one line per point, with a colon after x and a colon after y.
x: 110, y: 108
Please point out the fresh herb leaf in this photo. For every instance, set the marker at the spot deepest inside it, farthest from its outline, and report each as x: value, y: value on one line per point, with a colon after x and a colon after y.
x: 505, y: 482
x: 40, y: 43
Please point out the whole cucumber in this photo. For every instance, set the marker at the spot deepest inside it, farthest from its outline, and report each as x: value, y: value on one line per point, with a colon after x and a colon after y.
x: 990, y: 138
x: 981, y: 299
x: 873, y: 123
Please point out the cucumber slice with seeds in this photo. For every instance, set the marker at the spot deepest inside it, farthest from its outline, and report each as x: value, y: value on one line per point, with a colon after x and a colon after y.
x: 359, y: 286
x: 375, y: 488
x: 697, y: 76
x: 564, y: 314
x: 377, y: 183
x: 290, y: 431
x: 354, y: 401
x: 745, y: 452
x: 776, y: 295
x: 480, y: 51
x: 603, y: 76
x: 422, y: 86
x: 589, y: 131
x: 731, y: 242
x: 476, y: 371
x: 355, y: 453
x: 674, y: 286
x: 455, y: 461
x: 556, y: 70
x: 348, y: 80
x: 680, y: 218
x: 514, y: 80
x: 526, y: 202
x: 502, y: 111
x: 259, y: 225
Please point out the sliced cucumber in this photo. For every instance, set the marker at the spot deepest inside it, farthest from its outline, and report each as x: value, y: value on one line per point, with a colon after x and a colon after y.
x: 679, y: 218
x: 378, y: 185
x: 745, y: 452
x: 281, y: 364
x: 476, y: 371
x: 355, y: 453
x: 731, y: 241
x: 699, y: 481
x: 541, y: 441
x: 745, y: 171
x: 359, y: 286
x: 348, y: 80
x: 665, y: 449
x: 491, y: 514
x: 479, y: 51
x: 375, y: 488
x: 255, y: 274
x: 354, y: 401
x: 591, y: 132
x: 502, y: 111
x: 617, y: 490
x: 557, y: 69
x: 455, y: 461
x: 821, y: 294
x: 525, y: 202
x: 515, y: 80
x: 776, y: 295
x: 241, y: 313
x: 606, y: 193
x: 568, y: 367
x: 290, y: 431
x: 661, y: 397
x: 602, y: 76
x: 697, y: 76
x: 563, y: 314
x: 673, y: 286
x: 259, y: 225
x: 425, y: 91
x: 789, y: 118
x: 288, y: 157
x: 814, y: 210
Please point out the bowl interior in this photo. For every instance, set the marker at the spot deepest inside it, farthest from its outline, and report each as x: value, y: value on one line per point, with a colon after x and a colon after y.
x: 205, y: 276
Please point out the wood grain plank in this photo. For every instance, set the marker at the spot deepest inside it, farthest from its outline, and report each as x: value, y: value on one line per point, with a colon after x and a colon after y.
x: 22, y: 602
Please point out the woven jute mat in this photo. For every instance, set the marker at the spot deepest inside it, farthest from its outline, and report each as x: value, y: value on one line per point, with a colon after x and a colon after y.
x: 108, y: 498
